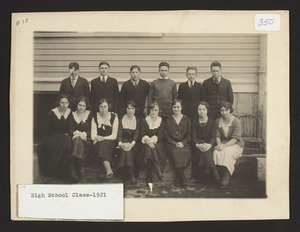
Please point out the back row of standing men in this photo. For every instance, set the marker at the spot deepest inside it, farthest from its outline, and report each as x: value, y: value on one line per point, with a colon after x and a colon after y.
x: 162, y: 90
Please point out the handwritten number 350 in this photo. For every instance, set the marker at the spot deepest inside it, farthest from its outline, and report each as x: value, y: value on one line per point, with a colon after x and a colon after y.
x: 265, y: 22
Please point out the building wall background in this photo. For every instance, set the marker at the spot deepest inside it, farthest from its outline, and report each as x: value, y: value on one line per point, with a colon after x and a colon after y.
x: 239, y: 54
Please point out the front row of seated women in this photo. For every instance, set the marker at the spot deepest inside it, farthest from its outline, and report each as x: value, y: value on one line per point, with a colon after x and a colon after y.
x: 213, y: 146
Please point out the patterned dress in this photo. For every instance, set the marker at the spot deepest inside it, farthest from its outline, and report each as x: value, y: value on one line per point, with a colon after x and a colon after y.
x: 77, y: 125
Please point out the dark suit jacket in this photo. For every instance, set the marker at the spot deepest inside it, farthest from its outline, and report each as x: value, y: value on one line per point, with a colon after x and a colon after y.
x: 108, y: 90
x: 190, y: 98
x: 137, y: 93
x: 214, y: 95
x: 81, y: 88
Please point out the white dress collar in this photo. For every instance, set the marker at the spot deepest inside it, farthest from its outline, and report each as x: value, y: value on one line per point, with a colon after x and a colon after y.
x: 101, y: 120
x: 77, y: 119
x: 59, y: 115
x: 154, y: 125
x: 129, y: 124
x: 163, y: 78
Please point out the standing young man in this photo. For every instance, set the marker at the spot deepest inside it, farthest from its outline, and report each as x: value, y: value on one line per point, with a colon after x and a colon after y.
x: 217, y: 89
x: 191, y: 93
x: 104, y: 86
x: 74, y: 85
x: 134, y: 89
x: 163, y: 90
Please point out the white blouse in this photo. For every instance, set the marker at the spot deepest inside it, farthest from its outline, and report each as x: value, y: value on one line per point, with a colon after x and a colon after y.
x: 105, y: 121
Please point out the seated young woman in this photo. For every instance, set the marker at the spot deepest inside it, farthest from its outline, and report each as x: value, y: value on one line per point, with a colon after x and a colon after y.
x: 104, y: 134
x: 55, y: 151
x: 204, y: 139
x: 127, y: 142
x: 178, y: 137
x: 152, y: 154
x: 229, y: 142
x: 80, y: 131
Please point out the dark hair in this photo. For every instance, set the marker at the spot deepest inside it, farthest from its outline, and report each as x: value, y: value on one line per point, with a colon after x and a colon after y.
x: 191, y: 68
x: 74, y: 65
x: 164, y: 64
x: 216, y: 63
x: 152, y: 105
x: 104, y: 62
x: 226, y: 105
x: 61, y: 96
x: 102, y: 100
x: 84, y: 99
x: 131, y: 103
x: 204, y: 103
x: 176, y: 101
x: 135, y: 66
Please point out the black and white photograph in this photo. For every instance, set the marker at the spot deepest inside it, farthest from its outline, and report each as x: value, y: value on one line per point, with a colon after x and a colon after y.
x: 169, y: 99
x: 171, y: 113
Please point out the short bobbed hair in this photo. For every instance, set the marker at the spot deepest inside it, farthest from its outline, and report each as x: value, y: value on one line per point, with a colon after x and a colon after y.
x: 204, y: 103
x: 132, y: 104
x: 135, y: 67
x: 226, y: 105
x: 176, y: 101
x: 84, y: 99
x: 102, y: 100
x: 163, y: 64
x: 61, y: 96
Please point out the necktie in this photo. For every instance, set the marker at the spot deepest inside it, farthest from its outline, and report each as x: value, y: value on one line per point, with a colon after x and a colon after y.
x: 191, y: 84
x: 216, y: 81
x: 73, y: 81
x: 103, y: 80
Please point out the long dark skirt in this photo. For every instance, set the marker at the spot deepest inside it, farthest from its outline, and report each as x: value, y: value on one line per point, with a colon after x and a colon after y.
x: 157, y: 155
x: 204, y: 159
x: 181, y: 156
x: 106, y: 149
x: 52, y: 152
x: 126, y: 158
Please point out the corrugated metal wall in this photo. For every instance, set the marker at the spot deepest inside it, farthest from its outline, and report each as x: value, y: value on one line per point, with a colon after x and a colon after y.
x: 239, y: 55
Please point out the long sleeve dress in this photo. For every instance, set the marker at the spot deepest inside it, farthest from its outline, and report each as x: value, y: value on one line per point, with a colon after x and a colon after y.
x: 204, y: 133
x: 127, y: 133
x: 156, y: 133
x: 57, y: 143
x: 109, y: 129
x: 228, y: 156
x: 175, y: 133
x: 80, y: 146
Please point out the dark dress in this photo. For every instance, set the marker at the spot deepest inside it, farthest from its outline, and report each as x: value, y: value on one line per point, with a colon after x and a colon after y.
x: 80, y: 146
x: 57, y: 144
x: 105, y: 149
x: 203, y: 133
x: 125, y: 135
x: 175, y: 133
x: 157, y: 154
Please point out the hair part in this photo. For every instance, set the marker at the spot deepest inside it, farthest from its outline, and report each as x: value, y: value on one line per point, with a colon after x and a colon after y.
x: 204, y: 103
x: 104, y: 63
x: 226, y: 105
x: 102, y: 100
